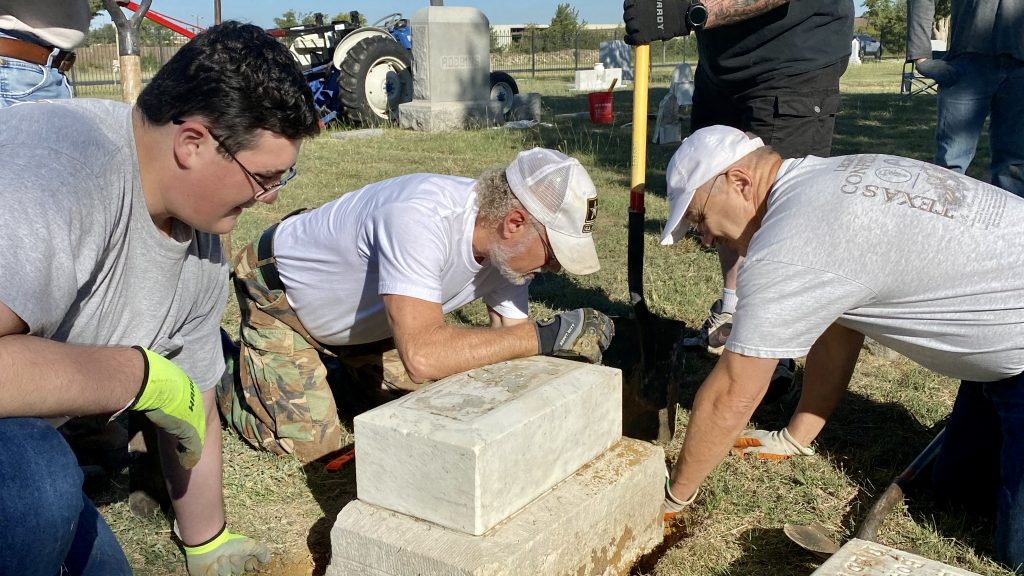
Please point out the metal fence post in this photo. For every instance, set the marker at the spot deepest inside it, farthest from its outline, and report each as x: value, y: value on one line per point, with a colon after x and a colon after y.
x: 576, y: 53
x: 533, y: 53
x: 160, y: 43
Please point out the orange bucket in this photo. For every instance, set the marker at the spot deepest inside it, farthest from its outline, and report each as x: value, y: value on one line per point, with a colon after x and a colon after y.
x: 600, y: 107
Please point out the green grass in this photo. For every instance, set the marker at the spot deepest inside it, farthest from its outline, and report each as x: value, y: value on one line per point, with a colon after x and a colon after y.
x: 890, y: 413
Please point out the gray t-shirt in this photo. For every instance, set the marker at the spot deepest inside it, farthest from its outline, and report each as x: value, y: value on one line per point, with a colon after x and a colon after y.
x: 82, y: 261
x: 925, y: 261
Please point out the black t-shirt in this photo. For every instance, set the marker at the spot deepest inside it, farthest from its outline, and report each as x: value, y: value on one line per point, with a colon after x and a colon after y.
x: 799, y: 36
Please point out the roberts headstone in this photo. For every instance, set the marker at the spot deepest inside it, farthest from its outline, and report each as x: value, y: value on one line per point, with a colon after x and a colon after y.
x: 451, y: 71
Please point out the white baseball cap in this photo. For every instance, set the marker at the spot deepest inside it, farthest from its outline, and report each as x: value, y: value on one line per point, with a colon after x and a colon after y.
x: 558, y: 192
x: 701, y: 157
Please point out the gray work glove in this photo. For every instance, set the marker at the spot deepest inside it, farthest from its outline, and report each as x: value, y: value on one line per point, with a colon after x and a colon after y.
x: 944, y: 73
x: 581, y: 333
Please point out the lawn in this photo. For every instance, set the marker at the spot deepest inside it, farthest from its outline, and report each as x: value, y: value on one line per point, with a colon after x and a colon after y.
x: 894, y: 406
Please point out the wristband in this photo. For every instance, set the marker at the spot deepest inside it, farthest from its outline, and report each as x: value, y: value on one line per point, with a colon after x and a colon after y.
x: 219, y: 538
x: 547, y: 333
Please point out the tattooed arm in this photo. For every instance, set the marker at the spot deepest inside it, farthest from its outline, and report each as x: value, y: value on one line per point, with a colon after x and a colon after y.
x: 726, y: 12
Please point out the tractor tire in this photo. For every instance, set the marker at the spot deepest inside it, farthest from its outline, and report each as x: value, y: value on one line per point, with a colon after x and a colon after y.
x: 503, y: 89
x: 376, y: 76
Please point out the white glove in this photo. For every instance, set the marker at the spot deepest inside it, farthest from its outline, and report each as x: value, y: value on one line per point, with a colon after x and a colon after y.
x: 672, y: 505
x: 769, y: 445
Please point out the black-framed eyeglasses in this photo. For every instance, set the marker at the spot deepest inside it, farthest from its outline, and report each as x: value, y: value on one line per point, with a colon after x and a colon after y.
x: 702, y: 215
x: 549, y: 253
x: 265, y: 190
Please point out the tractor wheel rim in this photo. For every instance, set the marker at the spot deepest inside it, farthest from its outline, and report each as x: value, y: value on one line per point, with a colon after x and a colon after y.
x: 383, y: 85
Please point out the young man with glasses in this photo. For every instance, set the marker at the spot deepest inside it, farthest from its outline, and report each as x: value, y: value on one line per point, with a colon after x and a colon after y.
x: 115, y: 283
x: 352, y: 295
x: 839, y: 249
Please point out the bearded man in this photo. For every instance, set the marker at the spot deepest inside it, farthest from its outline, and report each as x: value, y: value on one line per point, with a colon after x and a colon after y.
x: 355, y: 292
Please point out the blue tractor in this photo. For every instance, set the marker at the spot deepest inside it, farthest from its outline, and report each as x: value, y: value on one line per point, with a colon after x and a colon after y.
x: 359, y: 73
x: 362, y: 73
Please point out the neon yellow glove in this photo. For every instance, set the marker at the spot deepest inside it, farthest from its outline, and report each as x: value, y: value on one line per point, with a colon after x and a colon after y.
x: 171, y: 400
x: 225, y: 555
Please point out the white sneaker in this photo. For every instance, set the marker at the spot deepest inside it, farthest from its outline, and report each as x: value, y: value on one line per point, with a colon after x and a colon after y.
x: 713, y: 332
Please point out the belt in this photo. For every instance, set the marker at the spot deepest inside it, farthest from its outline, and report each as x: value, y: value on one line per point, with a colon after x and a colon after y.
x: 36, y: 54
x: 265, y: 254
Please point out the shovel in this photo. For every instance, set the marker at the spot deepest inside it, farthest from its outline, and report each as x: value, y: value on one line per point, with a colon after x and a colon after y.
x: 659, y: 363
x: 815, y: 537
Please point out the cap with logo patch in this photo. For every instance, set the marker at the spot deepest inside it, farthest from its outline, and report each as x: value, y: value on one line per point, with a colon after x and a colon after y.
x: 702, y: 156
x: 558, y: 192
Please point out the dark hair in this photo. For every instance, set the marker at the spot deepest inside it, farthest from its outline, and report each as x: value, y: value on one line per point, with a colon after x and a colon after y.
x: 239, y: 80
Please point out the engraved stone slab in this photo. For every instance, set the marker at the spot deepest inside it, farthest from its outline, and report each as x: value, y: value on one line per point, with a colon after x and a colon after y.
x: 597, y: 522
x: 862, y: 558
x: 451, y: 54
x: 469, y: 450
x: 451, y: 66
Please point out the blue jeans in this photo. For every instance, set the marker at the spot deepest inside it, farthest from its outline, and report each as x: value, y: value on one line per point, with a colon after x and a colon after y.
x: 22, y: 81
x: 47, y: 524
x: 982, y: 459
x: 985, y: 85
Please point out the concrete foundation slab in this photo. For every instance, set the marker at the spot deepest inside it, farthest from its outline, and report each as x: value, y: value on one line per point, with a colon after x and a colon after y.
x: 429, y: 116
x: 597, y: 80
x: 469, y: 450
x: 863, y: 558
x: 599, y: 521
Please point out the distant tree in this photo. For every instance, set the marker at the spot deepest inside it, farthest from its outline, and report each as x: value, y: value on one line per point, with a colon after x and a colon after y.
x: 564, y: 28
x: 495, y: 45
x: 95, y: 7
x: 889, y: 17
x: 105, y: 34
x: 288, y: 19
x: 347, y: 17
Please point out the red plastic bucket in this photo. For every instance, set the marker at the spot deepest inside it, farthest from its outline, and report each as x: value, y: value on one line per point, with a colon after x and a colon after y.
x: 600, y: 107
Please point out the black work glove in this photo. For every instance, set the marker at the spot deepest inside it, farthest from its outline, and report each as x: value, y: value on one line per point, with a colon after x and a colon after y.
x: 645, y: 25
x: 581, y: 333
x: 939, y: 70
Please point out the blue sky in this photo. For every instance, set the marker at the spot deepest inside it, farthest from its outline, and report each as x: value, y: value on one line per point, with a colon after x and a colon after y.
x: 262, y: 12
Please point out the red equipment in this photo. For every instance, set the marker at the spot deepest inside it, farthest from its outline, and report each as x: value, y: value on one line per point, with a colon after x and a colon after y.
x: 169, y: 22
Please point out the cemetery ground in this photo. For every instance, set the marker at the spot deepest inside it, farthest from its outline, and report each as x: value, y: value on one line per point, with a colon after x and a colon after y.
x: 892, y: 410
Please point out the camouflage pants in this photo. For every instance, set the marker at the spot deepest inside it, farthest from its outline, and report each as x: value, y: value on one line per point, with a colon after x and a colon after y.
x: 284, y: 397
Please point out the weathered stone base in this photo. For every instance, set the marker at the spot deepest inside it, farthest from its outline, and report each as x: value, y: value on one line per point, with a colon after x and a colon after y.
x: 596, y: 522
x: 429, y: 116
x: 526, y: 106
x: 865, y: 558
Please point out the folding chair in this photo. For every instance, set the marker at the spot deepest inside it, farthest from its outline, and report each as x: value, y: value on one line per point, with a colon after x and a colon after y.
x: 913, y: 82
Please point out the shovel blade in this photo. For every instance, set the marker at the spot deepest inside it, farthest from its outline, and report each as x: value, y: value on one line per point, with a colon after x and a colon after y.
x: 813, y: 537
